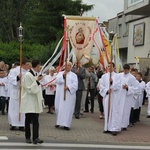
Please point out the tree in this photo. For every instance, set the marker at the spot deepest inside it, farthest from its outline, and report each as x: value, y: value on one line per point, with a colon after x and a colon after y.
x: 43, y: 26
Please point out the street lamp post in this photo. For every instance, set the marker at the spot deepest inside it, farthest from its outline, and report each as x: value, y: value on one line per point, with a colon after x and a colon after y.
x: 111, y: 36
x: 81, y: 11
x: 20, y: 38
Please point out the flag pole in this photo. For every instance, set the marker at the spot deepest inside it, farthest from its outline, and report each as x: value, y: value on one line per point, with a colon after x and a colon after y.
x: 111, y: 36
x: 66, y: 59
x: 20, y: 36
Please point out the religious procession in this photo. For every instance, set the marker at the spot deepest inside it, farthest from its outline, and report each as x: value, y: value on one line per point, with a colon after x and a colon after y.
x: 89, y: 67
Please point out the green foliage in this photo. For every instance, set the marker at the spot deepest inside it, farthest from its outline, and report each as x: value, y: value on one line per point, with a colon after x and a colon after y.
x: 42, y: 22
x: 10, y: 52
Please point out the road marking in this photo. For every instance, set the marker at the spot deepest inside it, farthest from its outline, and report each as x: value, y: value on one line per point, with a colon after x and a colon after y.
x: 3, y: 138
x: 8, y: 144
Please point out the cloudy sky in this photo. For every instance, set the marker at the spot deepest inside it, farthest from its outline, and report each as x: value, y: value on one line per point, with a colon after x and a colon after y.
x: 104, y: 9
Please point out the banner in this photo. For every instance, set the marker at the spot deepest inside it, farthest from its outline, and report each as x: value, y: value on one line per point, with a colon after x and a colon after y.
x: 80, y: 34
x: 116, y: 55
x: 100, y: 45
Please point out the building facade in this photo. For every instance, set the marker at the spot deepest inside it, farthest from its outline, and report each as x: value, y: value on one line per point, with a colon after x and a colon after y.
x: 133, y: 29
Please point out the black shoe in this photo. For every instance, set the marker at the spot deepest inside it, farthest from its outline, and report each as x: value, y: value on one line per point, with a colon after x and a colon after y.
x: 67, y: 128
x: 114, y: 133
x: 12, y: 128
x: 37, y: 141
x: 21, y: 129
x: 56, y: 126
x: 86, y: 111
x: 28, y: 141
x: 106, y: 131
x: 3, y: 113
x: 147, y: 116
x: 124, y: 129
x: 77, y: 117
x: 92, y: 111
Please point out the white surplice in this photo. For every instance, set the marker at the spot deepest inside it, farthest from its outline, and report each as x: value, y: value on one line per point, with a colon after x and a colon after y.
x: 50, y: 88
x: 31, y: 95
x: 126, y: 98
x: 13, y: 110
x: 148, y: 95
x: 112, y: 123
x: 142, y: 88
x: 65, y: 108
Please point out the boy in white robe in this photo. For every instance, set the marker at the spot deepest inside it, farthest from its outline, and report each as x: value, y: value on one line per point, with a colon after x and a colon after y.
x: 141, y: 96
x: 148, y: 95
x: 64, y: 107
x: 126, y: 95
x: 3, y: 90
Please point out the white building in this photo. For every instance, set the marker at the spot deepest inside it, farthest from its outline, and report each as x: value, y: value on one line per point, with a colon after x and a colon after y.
x: 133, y: 29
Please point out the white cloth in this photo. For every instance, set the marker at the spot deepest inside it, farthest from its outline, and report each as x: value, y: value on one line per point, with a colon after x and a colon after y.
x: 126, y: 98
x: 64, y: 108
x: 13, y: 110
x: 112, y: 123
x: 142, y: 88
x: 4, y: 88
x: 148, y: 95
x: 137, y: 93
x: 31, y: 95
x: 50, y: 88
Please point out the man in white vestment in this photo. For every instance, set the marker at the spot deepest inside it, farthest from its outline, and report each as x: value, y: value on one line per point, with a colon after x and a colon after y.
x: 14, y: 85
x: 109, y: 87
x: 31, y: 103
x: 125, y: 95
x: 64, y: 105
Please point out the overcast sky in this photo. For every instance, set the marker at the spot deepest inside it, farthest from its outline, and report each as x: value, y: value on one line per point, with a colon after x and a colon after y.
x: 104, y: 9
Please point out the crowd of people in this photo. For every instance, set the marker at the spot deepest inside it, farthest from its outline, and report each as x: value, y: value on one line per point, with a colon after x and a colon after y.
x: 70, y: 92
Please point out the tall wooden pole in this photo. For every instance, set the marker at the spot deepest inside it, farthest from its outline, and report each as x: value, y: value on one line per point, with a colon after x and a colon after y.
x: 20, y: 30
x: 111, y: 35
x: 66, y: 59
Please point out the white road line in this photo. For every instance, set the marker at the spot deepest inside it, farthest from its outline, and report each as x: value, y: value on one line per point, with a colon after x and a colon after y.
x: 8, y: 144
x: 3, y: 138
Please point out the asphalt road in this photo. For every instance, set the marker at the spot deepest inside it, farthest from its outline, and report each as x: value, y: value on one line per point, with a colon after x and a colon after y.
x: 11, y: 144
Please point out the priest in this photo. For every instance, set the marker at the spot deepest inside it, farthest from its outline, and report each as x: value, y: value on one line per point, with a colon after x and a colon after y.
x: 64, y: 105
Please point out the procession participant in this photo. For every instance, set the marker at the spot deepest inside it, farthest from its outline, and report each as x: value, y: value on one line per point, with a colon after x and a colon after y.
x: 135, y: 99
x: 148, y: 95
x: 13, y: 110
x: 50, y: 89
x: 64, y: 108
x: 9, y: 85
x: 31, y: 103
x: 100, y: 101
x: 85, y: 91
x: 142, y: 89
x: 109, y: 86
x: 80, y: 72
x: 3, y: 90
x: 125, y: 96
x: 91, y: 89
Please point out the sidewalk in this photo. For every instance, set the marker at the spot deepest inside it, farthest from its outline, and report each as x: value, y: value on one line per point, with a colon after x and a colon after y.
x: 87, y: 129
